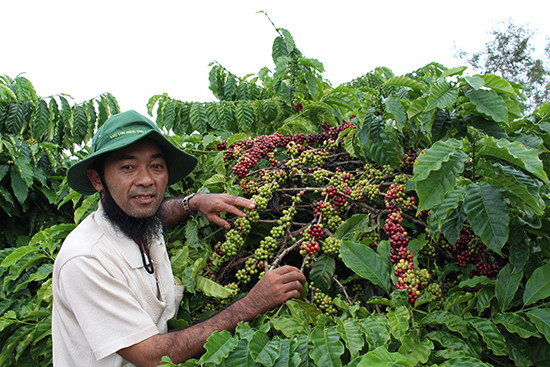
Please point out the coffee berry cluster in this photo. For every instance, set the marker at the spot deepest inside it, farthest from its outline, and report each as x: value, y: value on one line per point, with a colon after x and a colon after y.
x: 469, y: 249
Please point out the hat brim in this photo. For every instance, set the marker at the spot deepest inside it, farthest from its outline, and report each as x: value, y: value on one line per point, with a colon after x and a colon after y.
x: 179, y: 163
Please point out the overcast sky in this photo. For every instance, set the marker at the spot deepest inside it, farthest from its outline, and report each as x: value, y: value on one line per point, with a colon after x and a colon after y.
x: 135, y: 49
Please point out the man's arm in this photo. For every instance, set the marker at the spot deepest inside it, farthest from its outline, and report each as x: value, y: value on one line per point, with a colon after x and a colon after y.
x: 275, y: 288
x: 172, y: 213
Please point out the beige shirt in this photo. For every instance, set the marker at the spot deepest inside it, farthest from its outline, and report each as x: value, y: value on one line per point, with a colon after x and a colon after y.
x: 104, y: 299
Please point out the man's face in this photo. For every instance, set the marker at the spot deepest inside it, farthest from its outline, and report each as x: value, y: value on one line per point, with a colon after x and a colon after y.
x: 136, y: 177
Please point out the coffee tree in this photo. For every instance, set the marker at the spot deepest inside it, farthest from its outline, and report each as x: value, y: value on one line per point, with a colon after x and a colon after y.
x: 416, y: 206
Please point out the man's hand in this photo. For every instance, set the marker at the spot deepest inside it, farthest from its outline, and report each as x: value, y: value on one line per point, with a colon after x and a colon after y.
x: 211, y: 205
x: 274, y: 288
x: 172, y: 213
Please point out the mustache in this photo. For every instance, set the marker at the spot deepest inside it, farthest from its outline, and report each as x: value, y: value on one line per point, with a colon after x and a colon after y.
x: 152, y: 192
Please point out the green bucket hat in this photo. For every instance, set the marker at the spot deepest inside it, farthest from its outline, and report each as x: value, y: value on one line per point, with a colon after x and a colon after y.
x: 120, y: 131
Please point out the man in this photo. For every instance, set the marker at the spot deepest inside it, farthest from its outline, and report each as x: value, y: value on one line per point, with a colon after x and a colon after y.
x: 113, y: 288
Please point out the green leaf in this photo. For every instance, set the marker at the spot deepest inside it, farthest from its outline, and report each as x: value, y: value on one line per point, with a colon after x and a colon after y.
x: 197, y: 117
x: 17, y: 254
x: 382, y: 357
x: 523, y: 190
x: 380, y: 143
x: 240, y: 356
x: 289, y: 326
x: 24, y: 89
x: 541, y: 318
x: 236, y: 138
x: 258, y: 343
x: 487, y: 213
x: 538, y: 285
x: 357, y: 223
x: 213, y: 289
x: 432, y: 190
x: 192, y: 233
x: 215, y: 180
x: 519, y: 248
x: 6, y: 94
x: 395, y: 107
x: 403, y: 81
x: 169, y: 115
x: 350, y: 332
x: 84, y: 208
x: 458, y: 70
x: 498, y: 84
x: 489, y: 127
x: 212, y: 115
x: 12, y: 341
x: 398, y: 320
x: 515, y: 153
x: 80, y: 124
x: 44, y: 271
x: 245, y: 116
x: 441, y: 125
x: 312, y: 84
x: 489, y: 103
x: 477, y: 281
x: 270, y: 352
x: 448, y: 213
x: 507, y: 285
x: 18, y: 185
x: 457, y: 298
x: 279, y: 49
x: 442, y: 95
x: 376, y: 330
x: 514, y: 323
x: 327, y: 347
x: 366, y: 263
x: 464, y: 362
x: 451, y: 341
x: 23, y: 165
x: 15, y: 121
x: 475, y: 81
x: 41, y: 124
x: 113, y: 104
x: 322, y: 271
x: 519, y: 350
x: 484, y: 298
x: 447, y: 319
x: 416, y: 352
x: 490, y: 334
x: 434, y: 158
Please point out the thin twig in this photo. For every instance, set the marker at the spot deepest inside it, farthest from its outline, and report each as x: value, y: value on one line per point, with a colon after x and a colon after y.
x: 280, y: 256
x: 342, y: 288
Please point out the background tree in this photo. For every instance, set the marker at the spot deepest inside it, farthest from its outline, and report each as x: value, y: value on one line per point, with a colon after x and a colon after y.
x: 511, y: 54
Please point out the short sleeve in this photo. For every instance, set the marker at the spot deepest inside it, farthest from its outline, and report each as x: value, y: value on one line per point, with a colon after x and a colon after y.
x: 105, y: 307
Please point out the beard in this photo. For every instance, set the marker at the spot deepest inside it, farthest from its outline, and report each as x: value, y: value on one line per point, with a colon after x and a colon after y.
x: 143, y: 228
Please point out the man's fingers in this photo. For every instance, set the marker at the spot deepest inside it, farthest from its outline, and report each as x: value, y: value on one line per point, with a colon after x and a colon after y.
x: 289, y: 274
x: 233, y: 210
x: 216, y: 219
x: 242, y: 202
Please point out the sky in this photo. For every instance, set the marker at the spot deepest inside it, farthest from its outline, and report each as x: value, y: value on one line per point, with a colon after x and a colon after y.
x: 136, y: 49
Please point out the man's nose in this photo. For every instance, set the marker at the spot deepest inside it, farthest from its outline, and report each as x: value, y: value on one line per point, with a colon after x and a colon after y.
x: 144, y: 177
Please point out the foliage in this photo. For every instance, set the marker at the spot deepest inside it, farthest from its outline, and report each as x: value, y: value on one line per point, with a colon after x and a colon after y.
x: 416, y: 205
x: 510, y: 54
x: 39, y: 138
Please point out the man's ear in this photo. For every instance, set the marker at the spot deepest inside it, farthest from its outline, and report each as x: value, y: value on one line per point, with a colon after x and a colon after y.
x: 93, y: 176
